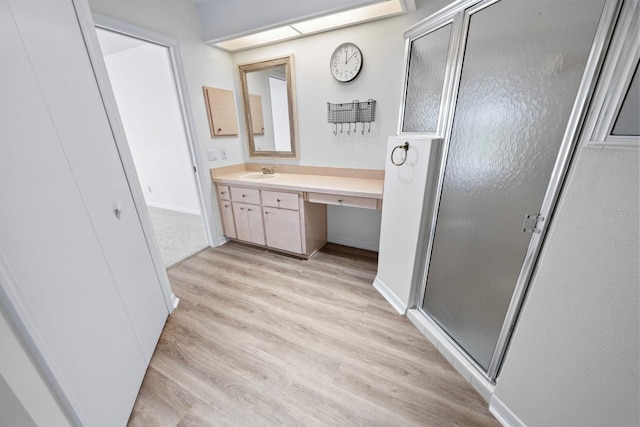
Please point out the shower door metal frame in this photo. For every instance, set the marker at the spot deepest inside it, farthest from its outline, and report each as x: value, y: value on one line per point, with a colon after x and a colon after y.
x: 463, y: 10
x: 625, y: 54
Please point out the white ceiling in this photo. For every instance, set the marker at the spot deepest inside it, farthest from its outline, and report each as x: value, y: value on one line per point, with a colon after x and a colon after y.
x: 222, y: 19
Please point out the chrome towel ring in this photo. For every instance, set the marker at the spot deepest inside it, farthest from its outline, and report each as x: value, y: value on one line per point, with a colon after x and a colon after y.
x: 404, y: 147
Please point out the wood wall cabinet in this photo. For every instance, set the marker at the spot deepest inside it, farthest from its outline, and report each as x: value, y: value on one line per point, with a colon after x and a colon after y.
x: 279, y: 220
x: 221, y: 109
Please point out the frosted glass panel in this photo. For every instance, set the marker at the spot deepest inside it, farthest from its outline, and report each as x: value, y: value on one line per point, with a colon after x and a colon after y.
x: 522, y: 67
x: 628, y: 121
x: 427, y: 66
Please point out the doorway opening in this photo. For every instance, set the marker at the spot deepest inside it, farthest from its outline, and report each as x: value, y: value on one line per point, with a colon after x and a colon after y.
x: 146, y: 95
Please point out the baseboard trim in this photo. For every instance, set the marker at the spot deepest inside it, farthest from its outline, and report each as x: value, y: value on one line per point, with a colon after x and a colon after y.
x: 503, y: 414
x: 174, y: 208
x: 453, y: 355
x: 175, y: 301
x: 220, y: 241
x: 355, y: 244
x: 389, y: 296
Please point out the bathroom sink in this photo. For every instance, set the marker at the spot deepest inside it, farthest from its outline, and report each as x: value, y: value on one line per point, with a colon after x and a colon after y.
x: 254, y: 176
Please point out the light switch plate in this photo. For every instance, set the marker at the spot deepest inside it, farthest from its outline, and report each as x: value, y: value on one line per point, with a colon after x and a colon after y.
x: 212, y: 154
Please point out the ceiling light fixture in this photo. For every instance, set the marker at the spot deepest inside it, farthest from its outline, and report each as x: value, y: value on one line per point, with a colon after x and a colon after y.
x: 258, y: 39
x: 350, y: 17
x: 317, y: 25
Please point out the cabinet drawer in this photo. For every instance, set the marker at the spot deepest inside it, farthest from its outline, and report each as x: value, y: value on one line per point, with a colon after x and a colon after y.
x: 332, y: 199
x: 245, y: 195
x: 277, y: 199
x: 223, y: 192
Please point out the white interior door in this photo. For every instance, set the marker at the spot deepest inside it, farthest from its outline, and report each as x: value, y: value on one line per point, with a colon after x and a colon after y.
x: 65, y: 77
x: 77, y: 273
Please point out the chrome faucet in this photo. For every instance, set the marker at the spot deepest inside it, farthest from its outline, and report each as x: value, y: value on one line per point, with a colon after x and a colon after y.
x: 268, y: 170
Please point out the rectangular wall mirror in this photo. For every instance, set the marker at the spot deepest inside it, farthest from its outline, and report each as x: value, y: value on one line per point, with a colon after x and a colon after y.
x: 268, y: 98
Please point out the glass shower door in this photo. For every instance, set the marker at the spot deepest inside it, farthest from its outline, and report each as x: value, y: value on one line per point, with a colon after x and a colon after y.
x: 522, y: 66
x: 425, y: 80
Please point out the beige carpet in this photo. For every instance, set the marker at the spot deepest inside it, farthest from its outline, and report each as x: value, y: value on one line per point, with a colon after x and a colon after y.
x: 179, y: 234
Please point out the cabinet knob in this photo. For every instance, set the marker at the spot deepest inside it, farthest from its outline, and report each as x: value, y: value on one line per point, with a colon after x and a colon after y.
x: 266, y: 212
x: 241, y: 209
x: 219, y: 129
x: 223, y: 192
x: 278, y: 200
x: 226, y: 206
x: 339, y: 200
x: 244, y: 195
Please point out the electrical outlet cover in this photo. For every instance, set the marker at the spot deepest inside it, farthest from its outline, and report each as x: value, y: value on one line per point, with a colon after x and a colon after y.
x: 223, y: 153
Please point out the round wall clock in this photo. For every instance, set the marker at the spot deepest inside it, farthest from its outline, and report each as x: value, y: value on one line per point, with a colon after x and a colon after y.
x: 346, y: 62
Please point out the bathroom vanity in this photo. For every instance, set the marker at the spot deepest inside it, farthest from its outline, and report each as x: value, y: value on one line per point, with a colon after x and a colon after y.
x: 288, y: 211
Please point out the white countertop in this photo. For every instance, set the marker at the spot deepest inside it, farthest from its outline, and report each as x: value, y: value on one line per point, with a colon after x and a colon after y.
x: 344, y: 186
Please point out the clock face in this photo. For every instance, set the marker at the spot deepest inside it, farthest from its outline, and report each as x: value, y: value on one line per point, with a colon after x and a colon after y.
x: 346, y: 62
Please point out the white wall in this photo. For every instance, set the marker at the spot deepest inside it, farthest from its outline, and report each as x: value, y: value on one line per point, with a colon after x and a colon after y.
x: 406, y: 210
x: 573, y: 360
x: 144, y: 88
x: 381, y: 78
x: 203, y: 66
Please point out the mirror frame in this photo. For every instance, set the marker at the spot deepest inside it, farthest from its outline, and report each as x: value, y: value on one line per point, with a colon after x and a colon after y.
x: 243, y: 69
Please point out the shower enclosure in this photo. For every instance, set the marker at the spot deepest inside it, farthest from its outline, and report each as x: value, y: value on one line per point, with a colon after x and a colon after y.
x: 505, y: 83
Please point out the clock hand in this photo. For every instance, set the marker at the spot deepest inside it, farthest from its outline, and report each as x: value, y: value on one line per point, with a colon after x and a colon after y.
x: 354, y: 53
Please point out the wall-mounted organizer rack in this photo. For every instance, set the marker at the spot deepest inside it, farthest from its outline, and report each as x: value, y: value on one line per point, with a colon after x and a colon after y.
x: 352, y: 114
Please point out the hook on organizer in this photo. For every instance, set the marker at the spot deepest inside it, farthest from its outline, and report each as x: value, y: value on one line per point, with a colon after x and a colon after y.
x: 404, y: 147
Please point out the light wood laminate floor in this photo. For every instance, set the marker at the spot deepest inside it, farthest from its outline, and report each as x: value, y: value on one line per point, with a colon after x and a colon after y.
x: 262, y: 339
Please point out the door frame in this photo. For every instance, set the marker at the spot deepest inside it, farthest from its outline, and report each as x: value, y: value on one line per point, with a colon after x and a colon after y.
x: 593, y: 66
x: 102, y: 77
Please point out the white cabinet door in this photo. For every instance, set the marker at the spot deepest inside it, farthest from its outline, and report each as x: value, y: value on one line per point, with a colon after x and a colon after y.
x: 81, y: 278
x: 228, y: 224
x: 282, y: 229
x: 242, y: 221
x: 248, y: 223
